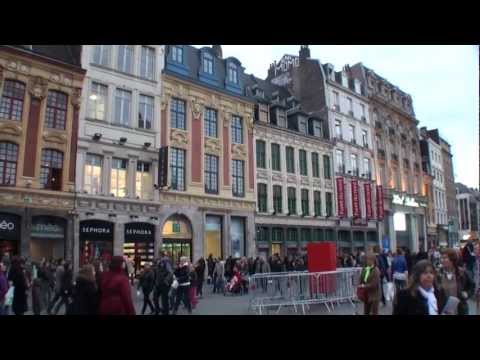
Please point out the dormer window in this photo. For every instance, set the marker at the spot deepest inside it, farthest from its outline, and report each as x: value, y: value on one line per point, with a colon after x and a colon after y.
x: 233, y: 75
x: 177, y: 54
x: 208, y: 63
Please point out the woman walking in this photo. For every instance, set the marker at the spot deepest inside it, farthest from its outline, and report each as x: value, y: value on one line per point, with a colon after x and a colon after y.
x: 18, y: 280
x: 423, y: 296
x: 399, y: 271
x: 116, y: 296
x: 183, y: 278
x: 370, y: 283
x: 85, y: 299
x: 146, y: 284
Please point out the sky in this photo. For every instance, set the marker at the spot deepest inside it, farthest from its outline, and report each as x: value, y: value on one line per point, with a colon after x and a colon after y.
x: 442, y: 80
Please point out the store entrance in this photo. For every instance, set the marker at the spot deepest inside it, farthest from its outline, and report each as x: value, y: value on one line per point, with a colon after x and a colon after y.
x: 178, y: 248
x: 9, y: 234
x: 177, y: 238
x: 139, y: 244
x: 96, y: 241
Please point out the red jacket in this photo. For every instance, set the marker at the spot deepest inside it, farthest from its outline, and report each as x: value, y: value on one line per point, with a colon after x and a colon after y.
x: 116, y: 296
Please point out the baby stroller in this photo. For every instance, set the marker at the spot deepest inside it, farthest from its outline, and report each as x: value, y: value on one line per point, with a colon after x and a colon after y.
x: 234, y: 286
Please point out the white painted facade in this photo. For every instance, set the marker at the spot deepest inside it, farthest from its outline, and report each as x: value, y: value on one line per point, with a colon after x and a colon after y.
x: 439, y: 189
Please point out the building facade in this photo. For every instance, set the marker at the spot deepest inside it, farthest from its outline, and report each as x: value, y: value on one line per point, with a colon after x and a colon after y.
x: 207, y: 132
x: 398, y: 161
x: 468, y: 202
x: 117, y: 206
x: 294, y: 187
x: 40, y: 93
x: 337, y: 98
x: 450, y: 193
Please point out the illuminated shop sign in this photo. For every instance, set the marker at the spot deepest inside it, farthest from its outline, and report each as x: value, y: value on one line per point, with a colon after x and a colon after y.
x: 405, y: 200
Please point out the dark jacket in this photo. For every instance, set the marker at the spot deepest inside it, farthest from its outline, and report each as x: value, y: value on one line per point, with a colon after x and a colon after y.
x: 116, y: 296
x: 465, y: 284
x: 147, y: 281
x: 66, y: 286
x: 17, y: 277
x: 85, y: 298
x: 183, y: 275
x: 406, y: 303
x: 200, y: 270
x: 210, y: 265
x: 163, y: 278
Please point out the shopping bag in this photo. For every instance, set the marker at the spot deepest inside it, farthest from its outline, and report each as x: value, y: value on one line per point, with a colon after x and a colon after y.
x: 175, y: 284
x: 9, y: 296
x: 389, y: 291
x: 361, y: 294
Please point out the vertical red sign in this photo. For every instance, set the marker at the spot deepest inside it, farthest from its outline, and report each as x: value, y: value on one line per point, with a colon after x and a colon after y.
x: 355, y: 201
x: 340, y: 197
x: 380, y: 210
x: 368, y: 201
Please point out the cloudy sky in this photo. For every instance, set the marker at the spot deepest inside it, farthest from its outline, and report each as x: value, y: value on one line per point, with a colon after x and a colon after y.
x: 443, y: 81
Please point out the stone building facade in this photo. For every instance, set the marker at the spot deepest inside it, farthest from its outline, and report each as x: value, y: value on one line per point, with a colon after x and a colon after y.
x: 40, y: 94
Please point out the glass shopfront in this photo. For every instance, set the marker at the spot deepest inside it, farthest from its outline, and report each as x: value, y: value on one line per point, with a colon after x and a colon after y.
x: 96, y: 241
x: 213, y: 237
x: 48, y: 236
x: 9, y: 234
x: 139, y: 244
x: 237, y: 236
x: 177, y: 238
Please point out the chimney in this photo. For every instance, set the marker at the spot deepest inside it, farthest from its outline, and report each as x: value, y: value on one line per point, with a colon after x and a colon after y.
x: 271, y: 71
x: 304, y: 52
x: 217, y: 49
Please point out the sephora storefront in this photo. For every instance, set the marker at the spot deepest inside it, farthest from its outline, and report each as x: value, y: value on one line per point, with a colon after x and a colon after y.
x: 9, y: 234
x: 96, y: 240
x: 139, y: 243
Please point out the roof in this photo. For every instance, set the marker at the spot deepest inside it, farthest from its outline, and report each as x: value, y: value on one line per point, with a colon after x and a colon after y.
x: 69, y: 54
x: 268, y: 88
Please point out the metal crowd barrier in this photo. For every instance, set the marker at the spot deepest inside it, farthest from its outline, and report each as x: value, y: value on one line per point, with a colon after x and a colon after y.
x: 302, y: 289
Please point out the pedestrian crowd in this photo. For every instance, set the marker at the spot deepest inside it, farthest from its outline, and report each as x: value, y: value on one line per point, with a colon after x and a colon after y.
x: 437, y: 282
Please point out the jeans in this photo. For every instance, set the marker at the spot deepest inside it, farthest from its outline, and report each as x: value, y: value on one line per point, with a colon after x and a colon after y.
x: 147, y: 301
x: 63, y: 301
x: 400, y: 284
x: 182, y: 294
x: 163, y: 293
x: 200, y: 287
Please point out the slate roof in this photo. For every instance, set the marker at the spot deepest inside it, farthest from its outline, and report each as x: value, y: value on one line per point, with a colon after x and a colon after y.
x: 70, y: 54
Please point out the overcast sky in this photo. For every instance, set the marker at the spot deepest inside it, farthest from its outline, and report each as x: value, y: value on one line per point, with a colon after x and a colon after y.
x: 443, y: 82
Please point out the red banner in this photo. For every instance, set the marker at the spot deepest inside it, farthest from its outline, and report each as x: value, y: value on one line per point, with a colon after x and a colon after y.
x: 380, y: 210
x: 368, y: 200
x: 355, y: 201
x: 340, y: 198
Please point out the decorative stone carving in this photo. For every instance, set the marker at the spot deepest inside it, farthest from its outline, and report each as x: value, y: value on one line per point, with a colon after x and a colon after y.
x: 304, y: 181
x: 277, y: 177
x: 178, y: 137
x: 82, y: 203
x: 1, y: 76
x: 226, y: 118
x: 76, y: 98
x: 10, y: 129
x: 163, y: 102
x: 12, y: 65
x: 54, y: 137
x: 261, y: 174
x: 38, y: 87
x: 102, y: 205
x: 120, y: 207
x: 291, y: 179
x: 152, y: 209
x: 317, y: 183
x: 249, y: 121
x: 212, y: 146
x: 239, y: 151
x: 196, y: 109
x: 136, y: 208
x: 55, y: 77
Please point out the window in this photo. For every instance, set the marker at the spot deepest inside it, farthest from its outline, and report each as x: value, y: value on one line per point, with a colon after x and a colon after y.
x: 143, y: 181
x: 303, y: 162
x: 315, y: 165
x: 338, y: 129
x: 328, y: 203
x: 8, y: 163
x: 354, y: 164
x: 56, y: 114
x: 277, y: 235
x: 232, y: 73
x: 350, y: 104
x: 238, y: 178
x: 102, y: 55
x: 177, y: 114
x: 305, y: 204
x: 211, y: 174
x: 13, y: 96
x: 147, y: 63
x: 352, y: 133
x: 290, y: 160
x: 317, y: 234
x: 366, y: 168
x: 177, y: 168
x: 365, y: 138
x: 276, y: 157
x: 97, y: 101
x: 51, y: 169
x: 292, y: 235
x: 123, y: 101
x: 292, y: 200
x: 336, y: 99
x: 125, y: 58
x: 340, y: 164
x: 262, y: 197
x: 305, y: 235
x: 118, y: 177
x: 277, y: 199
x: 261, y: 154
x: 317, y: 203
x: 177, y: 54
x: 208, y: 63
x: 145, y: 112
x: 314, y: 128
x: 237, y: 130
x: 262, y: 234
x: 363, y: 109
x: 92, y: 177
x: 326, y: 167
x: 210, y: 122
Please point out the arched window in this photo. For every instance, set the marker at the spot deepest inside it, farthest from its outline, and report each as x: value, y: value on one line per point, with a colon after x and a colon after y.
x: 11, y: 106
x: 51, y: 169
x: 56, y: 115
x: 8, y: 163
